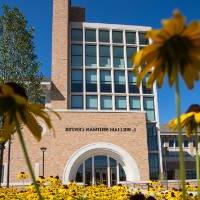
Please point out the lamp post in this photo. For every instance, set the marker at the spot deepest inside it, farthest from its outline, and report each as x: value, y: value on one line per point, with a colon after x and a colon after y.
x: 43, y: 149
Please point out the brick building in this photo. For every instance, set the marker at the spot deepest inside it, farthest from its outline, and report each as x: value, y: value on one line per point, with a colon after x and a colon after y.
x: 109, y: 131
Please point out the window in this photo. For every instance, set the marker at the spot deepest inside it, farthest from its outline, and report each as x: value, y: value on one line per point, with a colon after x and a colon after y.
x: 90, y: 55
x: 106, y: 102
x: 77, y: 35
x: 176, y: 143
x: 77, y: 81
x: 130, y: 38
x: 117, y: 37
x: 90, y: 35
x: 120, y: 103
x: 91, y: 102
x: 76, y: 55
x: 149, y: 108
x: 145, y: 89
x: 134, y: 103
x: 186, y: 143
x: 91, y: 80
x: 142, y: 39
x: 96, y: 171
x: 154, y: 166
x: 120, y: 85
x: 104, y: 56
x: 105, y: 79
x: 104, y: 36
x: 2, y: 168
x: 130, y: 51
x: 79, y: 174
x: 171, y: 143
x: 77, y: 102
x: 152, y: 138
x: 132, y: 85
x: 118, y: 57
x: 191, y: 174
x: 122, y: 175
x: 88, y: 171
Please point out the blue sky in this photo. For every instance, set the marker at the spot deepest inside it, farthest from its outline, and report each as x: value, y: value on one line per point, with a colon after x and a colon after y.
x: 136, y: 12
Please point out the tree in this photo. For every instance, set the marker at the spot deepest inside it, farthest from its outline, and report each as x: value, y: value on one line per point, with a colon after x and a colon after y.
x: 18, y: 62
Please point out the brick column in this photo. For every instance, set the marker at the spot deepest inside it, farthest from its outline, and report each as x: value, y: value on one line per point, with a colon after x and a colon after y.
x: 60, y: 57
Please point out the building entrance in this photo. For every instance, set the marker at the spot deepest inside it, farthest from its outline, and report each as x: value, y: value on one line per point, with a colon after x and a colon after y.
x: 100, y: 169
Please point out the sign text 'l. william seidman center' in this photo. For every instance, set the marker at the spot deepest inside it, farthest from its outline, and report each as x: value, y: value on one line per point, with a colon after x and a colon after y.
x: 109, y: 131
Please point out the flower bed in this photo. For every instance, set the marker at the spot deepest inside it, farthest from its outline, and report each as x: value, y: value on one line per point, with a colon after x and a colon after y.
x: 51, y: 188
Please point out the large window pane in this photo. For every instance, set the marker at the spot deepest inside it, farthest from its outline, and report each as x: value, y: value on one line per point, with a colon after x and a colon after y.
x: 90, y: 35
x: 117, y: 37
x: 76, y: 55
x: 132, y: 84
x: 130, y: 51
x: 134, y: 103
x: 154, y: 166
x: 79, y: 174
x: 106, y: 102
x: 120, y: 85
x: 88, y: 171
x: 104, y: 56
x: 77, y: 35
x: 118, y: 57
x: 142, y: 39
x: 77, y: 102
x: 77, y: 81
x: 105, y: 79
x: 90, y: 55
x: 149, y: 108
x: 130, y: 38
x: 122, y: 175
x: 91, y: 102
x: 152, y: 138
x: 104, y: 36
x: 91, y: 80
x: 120, y: 103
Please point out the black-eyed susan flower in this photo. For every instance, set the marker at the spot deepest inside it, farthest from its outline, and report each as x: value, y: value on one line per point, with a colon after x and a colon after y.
x: 22, y: 176
x: 189, y: 120
x: 15, y: 108
x: 175, y: 49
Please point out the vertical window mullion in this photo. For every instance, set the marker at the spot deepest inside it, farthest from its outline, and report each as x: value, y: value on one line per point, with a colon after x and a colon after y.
x: 126, y: 71
x: 117, y: 172
x: 84, y: 74
x: 112, y: 71
x: 98, y: 71
x: 93, y: 172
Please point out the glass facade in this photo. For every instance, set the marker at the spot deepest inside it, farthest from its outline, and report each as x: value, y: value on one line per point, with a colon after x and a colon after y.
x: 102, y: 78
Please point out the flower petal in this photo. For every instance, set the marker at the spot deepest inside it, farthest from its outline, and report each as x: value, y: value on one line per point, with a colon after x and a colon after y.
x: 197, y: 118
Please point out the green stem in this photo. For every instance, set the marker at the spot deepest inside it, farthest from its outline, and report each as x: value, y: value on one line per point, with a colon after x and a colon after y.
x: 22, y: 142
x: 180, y: 140
x: 197, y: 162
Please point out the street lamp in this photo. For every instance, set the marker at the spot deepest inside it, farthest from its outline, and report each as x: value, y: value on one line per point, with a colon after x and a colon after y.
x: 43, y: 149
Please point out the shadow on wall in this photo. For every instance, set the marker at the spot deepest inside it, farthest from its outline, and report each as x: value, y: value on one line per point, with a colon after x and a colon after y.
x: 56, y: 94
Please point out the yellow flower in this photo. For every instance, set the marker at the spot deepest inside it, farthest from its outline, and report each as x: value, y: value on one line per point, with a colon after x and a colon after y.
x: 15, y: 108
x: 175, y: 49
x: 22, y: 176
x: 189, y: 120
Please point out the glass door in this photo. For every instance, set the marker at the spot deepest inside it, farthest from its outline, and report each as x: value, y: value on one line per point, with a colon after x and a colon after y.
x: 101, y: 176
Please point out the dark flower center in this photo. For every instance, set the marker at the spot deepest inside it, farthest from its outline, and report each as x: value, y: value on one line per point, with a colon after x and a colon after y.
x: 194, y: 108
x: 18, y: 89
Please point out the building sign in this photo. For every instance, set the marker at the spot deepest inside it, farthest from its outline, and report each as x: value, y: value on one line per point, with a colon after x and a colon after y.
x: 100, y: 129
